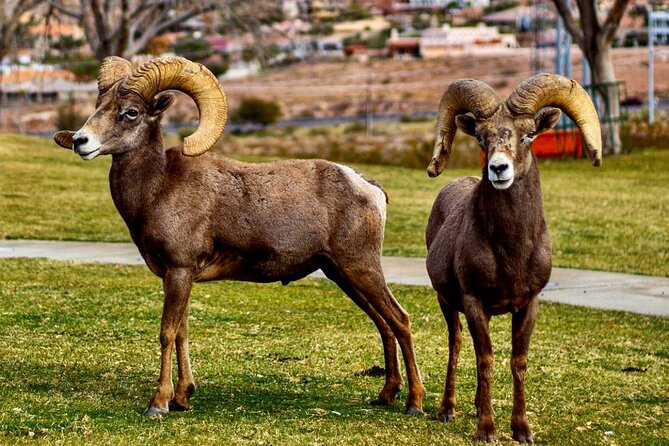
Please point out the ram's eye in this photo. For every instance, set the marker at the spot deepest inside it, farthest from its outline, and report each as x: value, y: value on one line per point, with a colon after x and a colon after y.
x: 131, y: 113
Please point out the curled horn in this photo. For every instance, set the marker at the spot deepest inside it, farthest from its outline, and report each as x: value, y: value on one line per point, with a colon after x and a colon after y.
x: 462, y: 96
x: 551, y: 90
x: 64, y: 139
x: 111, y: 71
x: 194, y: 79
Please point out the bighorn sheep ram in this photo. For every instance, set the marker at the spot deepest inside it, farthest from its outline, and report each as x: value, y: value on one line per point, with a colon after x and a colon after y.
x: 198, y: 217
x: 488, y: 248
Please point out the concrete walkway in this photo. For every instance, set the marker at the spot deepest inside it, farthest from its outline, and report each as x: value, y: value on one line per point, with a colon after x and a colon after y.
x: 614, y: 291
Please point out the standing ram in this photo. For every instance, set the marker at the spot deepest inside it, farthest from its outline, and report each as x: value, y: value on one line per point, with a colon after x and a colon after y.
x: 197, y: 217
x: 488, y: 247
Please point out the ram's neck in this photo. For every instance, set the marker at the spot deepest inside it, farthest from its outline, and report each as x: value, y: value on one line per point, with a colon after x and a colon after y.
x: 135, y: 180
x: 513, y: 219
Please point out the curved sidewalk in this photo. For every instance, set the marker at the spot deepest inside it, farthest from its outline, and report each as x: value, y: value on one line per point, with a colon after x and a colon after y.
x: 596, y: 289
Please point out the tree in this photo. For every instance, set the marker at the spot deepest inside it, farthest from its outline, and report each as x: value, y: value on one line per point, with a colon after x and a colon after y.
x: 594, y: 35
x: 10, y: 15
x: 125, y: 27
x: 251, y: 16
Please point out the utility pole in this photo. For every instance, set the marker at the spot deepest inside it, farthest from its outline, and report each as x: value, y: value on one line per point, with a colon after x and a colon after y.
x: 562, y: 50
x: 2, y: 94
x: 651, y: 75
x: 369, y: 106
x: 535, y: 62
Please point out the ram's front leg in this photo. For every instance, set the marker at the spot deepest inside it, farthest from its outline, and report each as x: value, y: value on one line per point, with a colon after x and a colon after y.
x: 185, y: 381
x: 177, y: 285
x: 522, y: 326
x: 478, y: 323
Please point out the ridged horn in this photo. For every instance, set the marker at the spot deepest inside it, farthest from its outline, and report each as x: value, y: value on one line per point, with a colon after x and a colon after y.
x: 64, y: 139
x: 194, y: 79
x: 552, y: 90
x: 462, y: 96
x: 111, y: 71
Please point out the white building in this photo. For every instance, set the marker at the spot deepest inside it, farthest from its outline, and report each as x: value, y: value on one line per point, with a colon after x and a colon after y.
x: 290, y: 9
x: 447, y: 40
x: 445, y: 3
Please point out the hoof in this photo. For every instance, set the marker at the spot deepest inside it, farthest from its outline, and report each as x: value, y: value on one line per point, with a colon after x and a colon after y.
x: 486, y: 436
x: 154, y: 411
x: 177, y: 407
x: 414, y: 411
x: 524, y: 439
x: 521, y: 432
x: 380, y: 402
x: 446, y: 418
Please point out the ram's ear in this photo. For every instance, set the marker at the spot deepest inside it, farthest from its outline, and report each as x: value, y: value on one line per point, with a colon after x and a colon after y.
x: 161, y: 102
x: 547, y: 118
x: 466, y: 123
x: 64, y: 138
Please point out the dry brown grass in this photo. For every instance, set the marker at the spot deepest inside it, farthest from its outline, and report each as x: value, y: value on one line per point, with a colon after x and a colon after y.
x: 342, y: 87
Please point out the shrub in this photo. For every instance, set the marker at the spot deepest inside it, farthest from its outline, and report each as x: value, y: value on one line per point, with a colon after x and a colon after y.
x: 355, y: 127
x: 194, y: 49
x: 68, y: 118
x: 257, y: 110
x: 83, y: 69
x: 637, y: 133
x: 218, y: 67
x: 318, y: 131
x: 406, y: 118
x: 185, y: 132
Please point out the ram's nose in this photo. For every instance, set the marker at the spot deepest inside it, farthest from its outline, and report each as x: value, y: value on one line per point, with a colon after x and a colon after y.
x: 499, y: 167
x: 78, y: 142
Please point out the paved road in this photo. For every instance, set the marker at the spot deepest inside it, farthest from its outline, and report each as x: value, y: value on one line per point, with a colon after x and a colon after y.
x: 614, y: 291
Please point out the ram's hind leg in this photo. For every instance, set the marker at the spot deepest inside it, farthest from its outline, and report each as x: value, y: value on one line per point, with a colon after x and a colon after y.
x: 370, y: 283
x: 393, y: 381
x: 448, y: 403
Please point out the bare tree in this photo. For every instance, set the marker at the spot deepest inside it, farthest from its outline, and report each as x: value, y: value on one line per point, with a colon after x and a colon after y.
x: 252, y: 17
x: 10, y: 15
x: 125, y: 27
x: 594, y: 35
x: 10, y: 20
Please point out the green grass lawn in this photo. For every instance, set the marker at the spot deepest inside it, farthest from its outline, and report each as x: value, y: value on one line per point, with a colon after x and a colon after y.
x: 276, y: 365
x: 613, y: 218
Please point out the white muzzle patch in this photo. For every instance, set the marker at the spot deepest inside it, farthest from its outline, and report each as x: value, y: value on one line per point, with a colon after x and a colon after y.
x: 500, y: 171
x: 86, y: 145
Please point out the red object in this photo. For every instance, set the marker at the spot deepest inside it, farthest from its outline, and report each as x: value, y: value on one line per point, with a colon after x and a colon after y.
x: 559, y: 143
x: 553, y: 143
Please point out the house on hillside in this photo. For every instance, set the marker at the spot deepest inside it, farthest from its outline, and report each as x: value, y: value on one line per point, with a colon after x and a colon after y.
x: 59, y: 38
x: 374, y: 24
x: 449, y: 41
x: 44, y: 85
x: 437, y: 5
x: 402, y: 47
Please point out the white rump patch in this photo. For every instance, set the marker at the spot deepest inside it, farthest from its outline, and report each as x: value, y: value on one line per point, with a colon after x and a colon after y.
x: 374, y: 193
